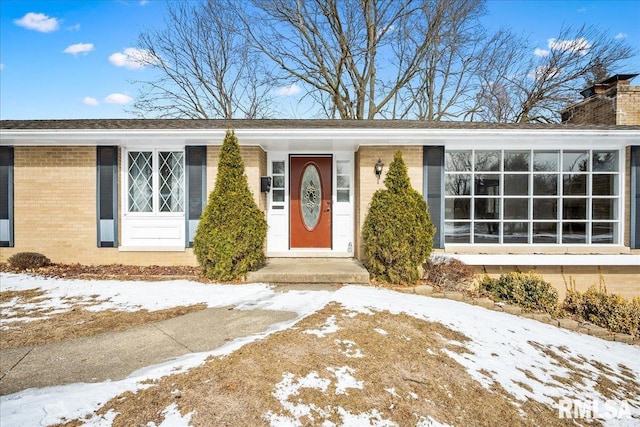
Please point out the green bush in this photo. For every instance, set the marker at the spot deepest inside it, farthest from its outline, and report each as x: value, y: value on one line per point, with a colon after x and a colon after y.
x: 28, y: 260
x: 526, y: 290
x: 448, y: 274
x: 609, y: 311
x: 230, y: 238
x: 397, y: 232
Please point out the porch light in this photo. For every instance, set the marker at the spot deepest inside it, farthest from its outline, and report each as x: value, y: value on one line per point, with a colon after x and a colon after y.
x: 377, y: 168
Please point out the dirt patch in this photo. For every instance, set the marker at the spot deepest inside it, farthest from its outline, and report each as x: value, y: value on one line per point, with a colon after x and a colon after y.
x: 379, y: 366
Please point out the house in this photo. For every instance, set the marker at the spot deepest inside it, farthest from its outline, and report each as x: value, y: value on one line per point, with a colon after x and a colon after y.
x: 564, y: 199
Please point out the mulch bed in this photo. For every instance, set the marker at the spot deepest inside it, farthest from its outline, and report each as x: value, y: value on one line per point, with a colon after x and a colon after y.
x: 112, y: 271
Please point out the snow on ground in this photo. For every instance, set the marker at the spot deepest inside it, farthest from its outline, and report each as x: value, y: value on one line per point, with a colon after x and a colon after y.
x: 504, y: 349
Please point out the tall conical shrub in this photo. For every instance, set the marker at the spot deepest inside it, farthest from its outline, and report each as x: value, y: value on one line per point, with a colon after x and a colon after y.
x: 230, y: 238
x: 397, y: 232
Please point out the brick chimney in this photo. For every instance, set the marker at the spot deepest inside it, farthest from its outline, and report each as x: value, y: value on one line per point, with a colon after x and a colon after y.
x: 612, y: 101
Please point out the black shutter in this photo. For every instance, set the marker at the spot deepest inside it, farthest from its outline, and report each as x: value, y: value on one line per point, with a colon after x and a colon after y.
x: 6, y: 197
x: 107, y: 197
x: 196, y: 183
x: 433, y: 189
x: 635, y: 198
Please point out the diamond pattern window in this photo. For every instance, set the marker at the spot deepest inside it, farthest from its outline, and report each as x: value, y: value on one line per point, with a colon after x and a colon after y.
x: 155, y: 182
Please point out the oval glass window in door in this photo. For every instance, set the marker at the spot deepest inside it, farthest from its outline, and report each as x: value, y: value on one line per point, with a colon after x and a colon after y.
x: 310, y: 196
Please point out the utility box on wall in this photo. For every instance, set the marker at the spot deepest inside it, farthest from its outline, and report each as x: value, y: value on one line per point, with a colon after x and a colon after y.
x: 265, y: 184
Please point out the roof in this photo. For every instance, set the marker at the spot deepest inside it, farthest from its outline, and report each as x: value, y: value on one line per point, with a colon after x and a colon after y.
x: 202, y: 124
x: 617, y: 78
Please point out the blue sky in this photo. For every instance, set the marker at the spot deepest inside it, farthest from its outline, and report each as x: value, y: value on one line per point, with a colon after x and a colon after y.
x: 67, y: 59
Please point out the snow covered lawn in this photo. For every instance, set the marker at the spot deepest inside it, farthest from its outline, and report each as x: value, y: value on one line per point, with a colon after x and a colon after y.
x: 356, y: 356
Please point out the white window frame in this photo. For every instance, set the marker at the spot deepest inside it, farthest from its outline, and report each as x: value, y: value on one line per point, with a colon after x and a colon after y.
x: 560, y: 197
x: 155, y: 186
x: 154, y: 230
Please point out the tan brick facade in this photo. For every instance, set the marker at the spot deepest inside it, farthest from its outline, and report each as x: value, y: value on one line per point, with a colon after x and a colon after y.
x: 623, y: 280
x: 55, y: 192
x: 628, y: 108
x: 255, y: 166
x: 617, y: 105
x: 366, y: 184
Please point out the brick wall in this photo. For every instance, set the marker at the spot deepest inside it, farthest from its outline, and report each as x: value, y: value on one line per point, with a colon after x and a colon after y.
x: 55, y: 210
x: 366, y: 183
x: 55, y: 205
x: 255, y: 166
x: 622, y: 280
x: 628, y: 108
x: 54, y: 200
x: 618, y: 105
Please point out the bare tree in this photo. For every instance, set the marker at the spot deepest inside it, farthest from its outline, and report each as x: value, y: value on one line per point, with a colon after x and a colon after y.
x: 535, y: 88
x: 205, y: 68
x: 457, y: 47
x: 364, y: 59
x: 596, y: 73
x: 346, y: 51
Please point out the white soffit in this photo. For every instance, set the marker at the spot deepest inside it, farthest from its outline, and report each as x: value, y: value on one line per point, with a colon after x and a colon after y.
x: 332, y: 139
x: 549, y: 259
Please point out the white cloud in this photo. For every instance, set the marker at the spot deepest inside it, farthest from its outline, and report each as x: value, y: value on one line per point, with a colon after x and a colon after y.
x: 90, y: 101
x: 118, y: 98
x: 1, y: 67
x: 38, y: 22
x: 77, y: 48
x: 291, y: 90
x: 621, y: 36
x: 541, y: 52
x: 582, y: 10
x: 143, y: 2
x: 580, y: 45
x: 543, y: 70
x: 132, y: 58
x: 75, y: 27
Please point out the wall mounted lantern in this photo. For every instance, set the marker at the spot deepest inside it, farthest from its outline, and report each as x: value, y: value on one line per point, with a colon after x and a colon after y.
x: 377, y: 168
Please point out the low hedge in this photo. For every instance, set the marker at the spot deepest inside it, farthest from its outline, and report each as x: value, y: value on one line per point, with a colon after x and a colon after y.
x: 527, y: 290
x: 606, y: 310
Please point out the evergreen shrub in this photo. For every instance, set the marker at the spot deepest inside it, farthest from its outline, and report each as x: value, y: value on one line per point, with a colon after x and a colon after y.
x: 397, y: 232
x: 229, y: 241
x: 28, y: 260
x: 527, y: 290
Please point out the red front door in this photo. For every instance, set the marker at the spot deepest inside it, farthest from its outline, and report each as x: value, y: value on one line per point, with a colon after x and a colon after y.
x: 310, y: 206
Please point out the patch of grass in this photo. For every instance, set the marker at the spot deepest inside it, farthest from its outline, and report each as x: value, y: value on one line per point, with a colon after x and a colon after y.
x: 29, y: 295
x: 405, y: 376
x: 82, y: 323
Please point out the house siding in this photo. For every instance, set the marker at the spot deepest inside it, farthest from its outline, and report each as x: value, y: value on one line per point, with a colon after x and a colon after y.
x: 367, y: 185
x: 55, y: 192
x: 618, y: 105
x: 55, y: 183
x: 622, y: 280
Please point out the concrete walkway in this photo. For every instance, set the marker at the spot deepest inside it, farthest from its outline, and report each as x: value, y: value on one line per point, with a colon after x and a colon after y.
x: 335, y: 271
x: 115, y: 355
